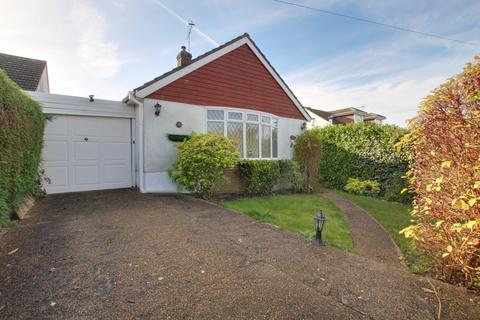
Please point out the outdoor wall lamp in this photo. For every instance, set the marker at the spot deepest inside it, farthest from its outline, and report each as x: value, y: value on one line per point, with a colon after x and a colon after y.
x: 320, y: 220
x: 158, y: 108
x: 304, y: 126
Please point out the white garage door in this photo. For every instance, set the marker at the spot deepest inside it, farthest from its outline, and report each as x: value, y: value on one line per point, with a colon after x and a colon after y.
x: 87, y: 153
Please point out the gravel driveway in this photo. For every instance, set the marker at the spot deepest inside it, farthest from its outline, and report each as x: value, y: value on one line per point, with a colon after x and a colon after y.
x: 125, y: 255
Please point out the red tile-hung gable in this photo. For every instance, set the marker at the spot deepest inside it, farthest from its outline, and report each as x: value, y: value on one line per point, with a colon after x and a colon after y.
x: 236, y: 79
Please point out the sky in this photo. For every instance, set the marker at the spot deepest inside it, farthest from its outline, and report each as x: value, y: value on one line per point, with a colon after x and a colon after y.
x: 108, y: 47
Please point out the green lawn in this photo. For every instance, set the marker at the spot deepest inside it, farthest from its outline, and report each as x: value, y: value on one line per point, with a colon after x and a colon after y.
x: 394, y: 217
x: 295, y: 213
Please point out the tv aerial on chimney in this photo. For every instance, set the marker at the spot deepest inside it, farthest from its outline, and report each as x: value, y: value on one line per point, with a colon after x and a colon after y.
x: 189, y: 33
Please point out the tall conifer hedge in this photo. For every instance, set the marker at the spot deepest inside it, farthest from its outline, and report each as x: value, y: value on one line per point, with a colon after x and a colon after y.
x: 21, y: 139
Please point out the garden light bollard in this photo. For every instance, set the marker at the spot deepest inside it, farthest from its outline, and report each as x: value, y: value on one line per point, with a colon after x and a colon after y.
x: 320, y: 220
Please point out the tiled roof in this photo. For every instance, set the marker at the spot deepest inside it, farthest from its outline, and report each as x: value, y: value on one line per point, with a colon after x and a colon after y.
x: 345, y: 111
x: 322, y: 114
x: 25, y: 72
x: 193, y: 61
x: 245, y: 35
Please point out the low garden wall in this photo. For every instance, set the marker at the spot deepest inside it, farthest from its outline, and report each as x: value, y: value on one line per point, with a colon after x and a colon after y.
x: 21, y: 139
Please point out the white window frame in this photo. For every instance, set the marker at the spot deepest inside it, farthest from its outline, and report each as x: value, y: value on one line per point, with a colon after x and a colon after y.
x: 245, y: 121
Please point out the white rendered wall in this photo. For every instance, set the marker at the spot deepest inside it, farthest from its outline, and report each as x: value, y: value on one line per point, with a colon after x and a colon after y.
x: 160, y: 153
x: 316, y: 121
x: 43, y: 82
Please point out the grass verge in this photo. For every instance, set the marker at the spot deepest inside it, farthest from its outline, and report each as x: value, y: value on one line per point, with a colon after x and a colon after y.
x: 393, y: 217
x: 295, y: 213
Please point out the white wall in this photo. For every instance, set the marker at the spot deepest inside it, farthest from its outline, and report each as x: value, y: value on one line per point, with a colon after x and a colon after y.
x: 316, y: 121
x: 43, y: 85
x: 160, y: 153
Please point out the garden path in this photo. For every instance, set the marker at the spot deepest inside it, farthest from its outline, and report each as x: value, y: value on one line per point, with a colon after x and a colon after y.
x: 369, y: 238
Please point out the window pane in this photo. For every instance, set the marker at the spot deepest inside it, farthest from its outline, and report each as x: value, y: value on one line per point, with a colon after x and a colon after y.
x: 265, y: 119
x: 235, y: 115
x: 274, y: 122
x: 266, y: 141
x: 252, y: 140
x: 215, y: 127
x: 215, y: 114
x: 252, y: 117
x: 235, y: 132
x: 274, y: 143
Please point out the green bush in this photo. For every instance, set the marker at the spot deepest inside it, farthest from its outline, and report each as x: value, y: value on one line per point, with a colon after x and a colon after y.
x: 21, y: 140
x: 363, y: 151
x: 362, y: 187
x: 394, y: 189
x: 266, y: 176
x: 290, y: 175
x: 307, y: 154
x: 261, y: 175
x: 202, y: 161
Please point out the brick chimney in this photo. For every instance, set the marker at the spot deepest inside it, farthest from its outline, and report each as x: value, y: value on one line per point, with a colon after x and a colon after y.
x: 184, y: 57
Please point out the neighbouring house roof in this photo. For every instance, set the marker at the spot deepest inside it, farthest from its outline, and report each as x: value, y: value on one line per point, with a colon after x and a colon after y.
x: 375, y: 116
x: 327, y: 115
x: 25, y: 72
x: 322, y: 114
x: 159, y: 82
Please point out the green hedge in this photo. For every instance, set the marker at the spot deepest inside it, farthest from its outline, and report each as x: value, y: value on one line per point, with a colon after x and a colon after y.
x: 264, y: 176
x: 365, y: 152
x: 21, y: 139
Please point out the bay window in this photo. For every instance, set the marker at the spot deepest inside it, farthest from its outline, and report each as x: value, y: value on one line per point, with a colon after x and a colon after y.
x: 255, y: 133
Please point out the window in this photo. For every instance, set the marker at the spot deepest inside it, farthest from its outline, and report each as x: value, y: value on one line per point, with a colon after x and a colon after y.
x: 256, y: 134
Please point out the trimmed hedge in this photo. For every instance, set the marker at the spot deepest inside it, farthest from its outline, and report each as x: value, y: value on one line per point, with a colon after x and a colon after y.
x: 363, y: 151
x: 21, y: 139
x: 264, y: 176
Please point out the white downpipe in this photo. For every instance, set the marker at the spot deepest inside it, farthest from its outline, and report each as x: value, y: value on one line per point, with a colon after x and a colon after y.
x: 131, y: 97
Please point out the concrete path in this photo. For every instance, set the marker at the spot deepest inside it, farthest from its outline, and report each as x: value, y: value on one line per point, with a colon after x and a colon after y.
x: 125, y: 255
x: 369, y: 238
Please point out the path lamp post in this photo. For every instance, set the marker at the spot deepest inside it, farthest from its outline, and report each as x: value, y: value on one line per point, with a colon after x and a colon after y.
x: 320, y: 220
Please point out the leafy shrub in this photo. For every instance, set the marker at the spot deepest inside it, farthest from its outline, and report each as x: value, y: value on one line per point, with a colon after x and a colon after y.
x: 362, y: 187
x: 393, y: 189
x: 261, y: 175
x: 201, y: 162
x: 362, y: 151
x: 21, y: 140
x: 445, y: 177
x: 307, y: 154
x: 290, y: 175
x: 265, y: 176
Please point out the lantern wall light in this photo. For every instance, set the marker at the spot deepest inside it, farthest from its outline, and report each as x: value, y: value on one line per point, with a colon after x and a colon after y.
x: 158, y: 108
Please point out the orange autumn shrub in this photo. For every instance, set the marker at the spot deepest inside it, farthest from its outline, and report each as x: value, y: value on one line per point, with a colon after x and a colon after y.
x: 445, y: 177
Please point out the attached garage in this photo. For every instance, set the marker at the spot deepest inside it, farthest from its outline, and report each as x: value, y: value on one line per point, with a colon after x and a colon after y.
x: 87, y: 145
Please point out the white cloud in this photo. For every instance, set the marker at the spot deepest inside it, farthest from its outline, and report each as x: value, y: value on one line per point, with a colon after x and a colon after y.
x: 390, y: 77
x: 98, y: 56
x: 71, y: 37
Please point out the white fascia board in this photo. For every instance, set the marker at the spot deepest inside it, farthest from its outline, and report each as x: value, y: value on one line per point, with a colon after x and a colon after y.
x: 71, y: 105
x: 200, y: 63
